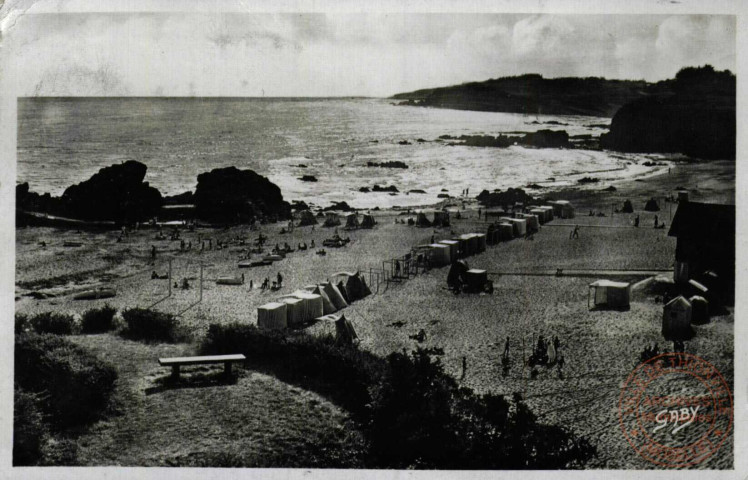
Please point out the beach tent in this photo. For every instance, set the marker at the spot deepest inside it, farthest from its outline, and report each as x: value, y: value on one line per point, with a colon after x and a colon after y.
x: 331, y: 219
x: 332, y: 292
x: 676, y: 319
x: 294, y: 311
x: 540, y: 214
x: 272, y: 315
x: 344, y: 291
x: 492, y: 234
x: 307, y: 218
x: 327, y: 306
x: 699, y: 310
x: 344, y: 332
x: 441, y: 218
x: 353, y: 286
x: 627, y: 207
x: 422, y: 221
x: 457, y: 272
x: 351, y: 221
x: 506, y: 231
x: 682, y: 196
x: 651, y: 206
x: 368, y: 221
x: 454, y: 248
x: 609, y: 294
x: 476, y: 278
x: 440, y: 254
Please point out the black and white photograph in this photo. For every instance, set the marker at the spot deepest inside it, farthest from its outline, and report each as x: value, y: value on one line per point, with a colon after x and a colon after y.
x: 471, y: 238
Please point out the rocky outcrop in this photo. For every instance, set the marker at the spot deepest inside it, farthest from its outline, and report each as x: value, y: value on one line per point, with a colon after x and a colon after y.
x: 546, y: 139
x: 184, y: 198
x: 697, y: 118
x: 117, y: 193
x: 308, y: 178
x: 230, y: 195
x: 392, y: 164
x: 507, y: 198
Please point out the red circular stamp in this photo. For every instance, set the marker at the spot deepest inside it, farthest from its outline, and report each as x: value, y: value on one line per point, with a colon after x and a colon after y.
x: 676, y: 410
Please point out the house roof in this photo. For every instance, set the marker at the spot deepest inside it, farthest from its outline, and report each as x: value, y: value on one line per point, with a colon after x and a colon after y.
x: 703, y: 220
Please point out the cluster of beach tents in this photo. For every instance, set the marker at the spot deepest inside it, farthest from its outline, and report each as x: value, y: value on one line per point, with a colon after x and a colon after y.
x: 441, y: 219
x: 332, y: 219
x: 313, y: 302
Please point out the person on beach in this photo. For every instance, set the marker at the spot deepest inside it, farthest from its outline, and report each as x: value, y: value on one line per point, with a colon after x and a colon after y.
x: 280, y: 279
x: 506, y: 348
x: 656, y: 221
x: 464, y: 368
x: 153, y: 252
x: 574, y: 233
x: 636, y: 221
x: 432, y: 239
x: 312, y: 244
x: 251, y: 284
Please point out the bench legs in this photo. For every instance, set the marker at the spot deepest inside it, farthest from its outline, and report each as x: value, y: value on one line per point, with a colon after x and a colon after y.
x: 175, y: 372
x: 227, y: 369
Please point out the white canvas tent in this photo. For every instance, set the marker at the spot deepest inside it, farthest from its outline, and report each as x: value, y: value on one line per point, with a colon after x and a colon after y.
x: 272, y: 315
x: 607, y: 293
x: 332, y: 292
x: 327, y: 306
x: 533, y: 224
x: 676, y: 319
x: 548, y: 209
x: 307, y: 218
x: 562, y: 209
x: 422, y: 220
x: 351, y: 221
x: 331, y: 219
x: 540, y: 213
x: 313, y: 307
x: 368, y: 221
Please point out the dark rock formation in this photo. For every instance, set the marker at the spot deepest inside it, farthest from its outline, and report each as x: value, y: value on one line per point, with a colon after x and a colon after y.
x: 364, y: 190
x: 392, y: 164
x: 342, y: 206
x: 308, y: 178
x: 610, y: 188
x: 584, y: 180
x: 417, y: 190
x: 546, y: 139
x: 391, y: 188
x: 230, y: 195
x: 117, y: 193
x: 509, y: 197
x: 185, y: 198
x: 696, y: 118
x: 34, y: 202
x: 404, y: 142
x: 299, y: 205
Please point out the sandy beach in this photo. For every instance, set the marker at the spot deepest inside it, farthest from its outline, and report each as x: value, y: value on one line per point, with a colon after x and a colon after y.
x: 600, y: 348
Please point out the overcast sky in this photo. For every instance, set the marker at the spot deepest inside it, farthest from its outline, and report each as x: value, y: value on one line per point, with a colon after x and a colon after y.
x: 237, y: 54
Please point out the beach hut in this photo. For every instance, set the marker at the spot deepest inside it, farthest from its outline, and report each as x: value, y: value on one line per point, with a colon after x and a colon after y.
x: 506, y: 231
x: 476, y: 279
x: 548, y: 209
x: 533, y: 224
x: 562, y: 209
x: 540, y: 214
x: 422, y: 221
x: 676, y: 319
x: 520, y: 226
x: 272, y: 316
x: 609, y: 294
x: 439, y: 254
x: 307, y: 218
x: 313, y: 306
x: 454, y: 248
x: 368, y: 221
x: 479, y: 242
x: 441, y: 219
x: 682, y: 196
x: 331, y: 219
x: 457, y: 272
x: 294, y: 311
x: 699, y: 310
x: 466, y: 245
x: 351, y: 221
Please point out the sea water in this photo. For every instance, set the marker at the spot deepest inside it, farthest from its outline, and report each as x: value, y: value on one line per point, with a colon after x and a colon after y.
x: 62, y: 141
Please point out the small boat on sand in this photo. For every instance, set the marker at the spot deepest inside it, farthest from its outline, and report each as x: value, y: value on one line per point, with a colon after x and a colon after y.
x: 96, y: 293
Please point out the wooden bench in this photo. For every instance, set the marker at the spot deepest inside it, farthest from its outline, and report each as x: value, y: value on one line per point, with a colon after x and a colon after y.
x: 176, y: 362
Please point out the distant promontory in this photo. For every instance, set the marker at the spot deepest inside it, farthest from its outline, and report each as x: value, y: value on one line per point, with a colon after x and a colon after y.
x: 533, y: 94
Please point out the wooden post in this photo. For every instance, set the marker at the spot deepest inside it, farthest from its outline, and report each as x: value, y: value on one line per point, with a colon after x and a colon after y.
x: 170, y: 277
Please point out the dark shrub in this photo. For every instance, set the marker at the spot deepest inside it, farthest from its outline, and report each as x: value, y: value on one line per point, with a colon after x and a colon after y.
x: 29, y: 428
x: 151, y: 326
x: 98, y: 320
x: 54, y: 322
x: 342, y: 372
x: 22, y: 323
x: 74, y: 384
